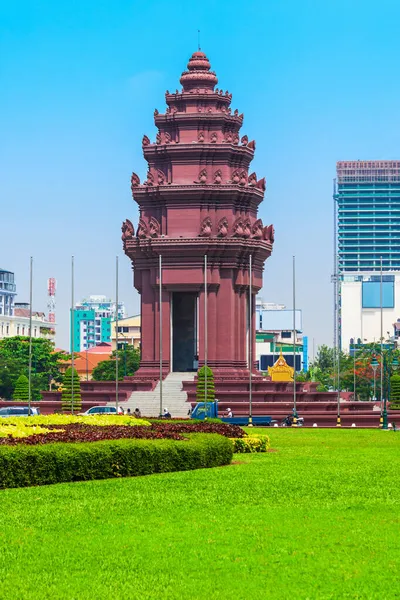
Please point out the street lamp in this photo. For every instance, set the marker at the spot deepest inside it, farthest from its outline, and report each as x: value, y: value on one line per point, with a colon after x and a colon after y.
x: 374, y: 365
x: 125, y: 343
x: 389, y: 367
x: 354, y: 371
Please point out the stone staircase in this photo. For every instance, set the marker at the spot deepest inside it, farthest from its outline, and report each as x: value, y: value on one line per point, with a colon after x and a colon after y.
x: 174, y: 398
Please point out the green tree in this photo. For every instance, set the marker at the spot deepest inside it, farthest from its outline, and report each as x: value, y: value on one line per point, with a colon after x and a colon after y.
x: 303, y: 376
x: 128, y: 363
x: 14, y: 361
x: 21, y: 391
x: 201, y: 385
x: 395, y: 392
x: 325, y: 359
x: 71, y: 382
x: 10, y: 370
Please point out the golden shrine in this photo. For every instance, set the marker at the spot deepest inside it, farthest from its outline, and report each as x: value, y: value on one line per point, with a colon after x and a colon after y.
x: 281, y: 370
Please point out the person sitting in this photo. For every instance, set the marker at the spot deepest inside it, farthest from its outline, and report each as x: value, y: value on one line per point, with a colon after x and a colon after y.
x: 166, y: 414
x: 137, y: 413
x: 229, y: 413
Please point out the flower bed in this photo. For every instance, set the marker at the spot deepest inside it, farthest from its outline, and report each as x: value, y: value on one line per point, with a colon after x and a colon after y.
x: 28, y: 432
x: 60, y: 448
x: 25, y: 465
x: 58, y: 419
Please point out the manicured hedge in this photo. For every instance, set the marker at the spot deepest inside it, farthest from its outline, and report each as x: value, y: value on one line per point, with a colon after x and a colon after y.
x: 22, y: 465
x: 251, y: 444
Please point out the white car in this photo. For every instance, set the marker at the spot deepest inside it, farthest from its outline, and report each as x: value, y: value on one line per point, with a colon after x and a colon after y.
x: 18, y: 411
x: 103, y: 410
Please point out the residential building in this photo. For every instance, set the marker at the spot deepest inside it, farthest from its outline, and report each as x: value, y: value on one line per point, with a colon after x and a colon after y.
x: 274, y: 334
x: 128, y: 332
x: 92, y: 321
x: 14, y: 316
x: 368, y: 239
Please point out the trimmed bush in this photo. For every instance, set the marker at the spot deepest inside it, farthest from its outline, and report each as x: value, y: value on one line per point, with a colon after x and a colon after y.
x: 71, y: 382
x: 251, y: 444
x: 21, y: 390
x: 22, y: 466
x: 201, y: 388
x: 395, y: 392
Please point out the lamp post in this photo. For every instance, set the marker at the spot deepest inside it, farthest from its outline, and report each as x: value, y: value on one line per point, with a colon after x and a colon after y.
x: 354, y: 370
x: 387, y: 369
x: 374, y: 365
x: 125, y: 343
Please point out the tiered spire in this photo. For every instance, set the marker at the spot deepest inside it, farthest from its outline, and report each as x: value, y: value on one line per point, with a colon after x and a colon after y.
x: 198, y: 75
x: 199, y: 151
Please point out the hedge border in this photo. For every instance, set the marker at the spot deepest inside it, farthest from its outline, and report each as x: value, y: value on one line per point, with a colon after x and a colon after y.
x: 22, y: 466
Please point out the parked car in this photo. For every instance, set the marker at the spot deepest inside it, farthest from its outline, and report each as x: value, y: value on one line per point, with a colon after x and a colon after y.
x: 18, y: 411
x: 103, y: 410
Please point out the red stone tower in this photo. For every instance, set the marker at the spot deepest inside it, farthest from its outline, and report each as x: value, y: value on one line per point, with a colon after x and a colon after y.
x: 198, y: 199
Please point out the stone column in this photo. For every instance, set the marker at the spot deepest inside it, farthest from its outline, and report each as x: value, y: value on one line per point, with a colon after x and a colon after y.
x: 147, y: 319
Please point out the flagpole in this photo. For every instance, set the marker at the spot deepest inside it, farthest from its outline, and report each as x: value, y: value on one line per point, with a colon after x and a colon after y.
x: 337, y: 349
x: 294, y: 345
x: 161, y: 328
x: 116, y: 335
x: 381, y: 306
x: 250, y: 338
x: 72, y: 335
x: 30, y: 337
x: 205, y: 336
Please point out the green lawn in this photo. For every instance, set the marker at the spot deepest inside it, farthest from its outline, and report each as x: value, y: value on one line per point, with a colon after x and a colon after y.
x: 319, y: 518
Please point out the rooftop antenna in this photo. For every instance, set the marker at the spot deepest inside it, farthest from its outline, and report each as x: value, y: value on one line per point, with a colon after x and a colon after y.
x: 51, y: 303
x: 198, y: 39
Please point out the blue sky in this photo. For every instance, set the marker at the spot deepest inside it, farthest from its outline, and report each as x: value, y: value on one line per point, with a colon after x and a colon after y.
x: 317, y: 81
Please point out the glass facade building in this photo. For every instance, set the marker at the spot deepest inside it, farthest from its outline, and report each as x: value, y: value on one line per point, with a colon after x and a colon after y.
x: 368, y: 215
x: 8, y: 291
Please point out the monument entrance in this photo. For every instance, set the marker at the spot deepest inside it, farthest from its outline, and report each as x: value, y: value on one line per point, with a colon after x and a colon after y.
x: 184, y: 331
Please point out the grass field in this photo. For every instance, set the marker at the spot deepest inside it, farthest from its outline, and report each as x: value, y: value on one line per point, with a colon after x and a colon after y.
x: 319, y: 518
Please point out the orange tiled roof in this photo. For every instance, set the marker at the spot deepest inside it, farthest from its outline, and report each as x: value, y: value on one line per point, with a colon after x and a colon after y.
x: 83, y: 362
x: 103, y: 348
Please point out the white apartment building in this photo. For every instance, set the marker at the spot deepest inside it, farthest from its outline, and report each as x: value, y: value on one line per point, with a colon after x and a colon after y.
x: 14, y: 317
x: 360, y: 307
